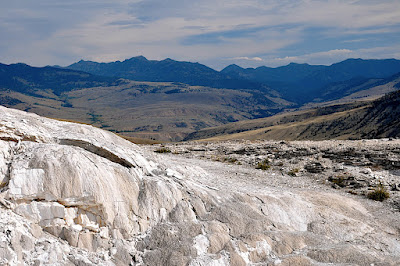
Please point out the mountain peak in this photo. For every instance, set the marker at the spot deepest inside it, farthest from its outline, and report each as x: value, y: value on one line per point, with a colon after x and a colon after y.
x: 298, y: 64
x: 168, y: 60
x: 232, y: 67
x: 137, y: 58
x: 21, y: 65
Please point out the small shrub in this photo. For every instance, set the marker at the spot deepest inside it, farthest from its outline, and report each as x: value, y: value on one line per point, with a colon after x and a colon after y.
x: 352, y: 192
x: 293, y: 172
x: 230, y: 160
x: 380, y: 193
x: 376, y: 167
x: 264, y: 165
x: 216, y: 158
x: 338, y: 180
x: 3, y: 184
x: 163, y: 150
x: 224, y: 159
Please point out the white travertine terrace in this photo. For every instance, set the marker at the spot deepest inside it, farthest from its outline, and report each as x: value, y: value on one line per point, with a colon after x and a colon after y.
x: 74, y: 194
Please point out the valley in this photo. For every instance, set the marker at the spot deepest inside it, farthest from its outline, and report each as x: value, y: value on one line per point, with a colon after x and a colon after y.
x: 146, y: 99
x: 200, y: 133
x: 260, y: 178
x: 357, y: 120
x: 158, y: 111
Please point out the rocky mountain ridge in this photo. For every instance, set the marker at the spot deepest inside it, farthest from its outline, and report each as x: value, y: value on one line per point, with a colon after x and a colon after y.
x: 167, y: 70
x: 303, y: 83
x: 76, y: 195
x: 299, y: 83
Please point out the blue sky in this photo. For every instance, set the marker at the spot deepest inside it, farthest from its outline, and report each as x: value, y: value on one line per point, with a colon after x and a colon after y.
x: 217, y: 33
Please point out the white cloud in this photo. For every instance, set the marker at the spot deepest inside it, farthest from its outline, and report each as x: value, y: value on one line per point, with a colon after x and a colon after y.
x: 247, y: 58
x: 354, y: 40
x: 336, y: 55
x: 323, y: 56
x: 61, y: 32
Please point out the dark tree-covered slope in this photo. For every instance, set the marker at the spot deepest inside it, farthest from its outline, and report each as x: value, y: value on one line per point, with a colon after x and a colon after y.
x: 302, y: 83
x: 26, y: 79
x: 168, y: 70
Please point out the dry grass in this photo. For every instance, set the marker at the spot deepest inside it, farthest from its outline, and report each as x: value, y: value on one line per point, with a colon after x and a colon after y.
x: 379, y: 194
x: 145, y: 109
x: 264, y: 165
x: 163, y: 150
x: 293, y: 172
x: 140, y: 140
x: 289, y: 131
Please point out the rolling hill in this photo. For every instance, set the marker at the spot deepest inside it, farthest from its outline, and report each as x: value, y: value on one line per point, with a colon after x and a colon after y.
x: 170, y: 111
x: 163, y: 111
x: 358, y: 89
x: 359, y: 120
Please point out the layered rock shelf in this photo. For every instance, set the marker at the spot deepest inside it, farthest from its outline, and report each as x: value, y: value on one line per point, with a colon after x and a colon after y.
x: 72, y: 194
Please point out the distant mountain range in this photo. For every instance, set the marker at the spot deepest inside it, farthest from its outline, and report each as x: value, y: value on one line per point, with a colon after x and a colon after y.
x: 168, y: 70
x: 303, y: 83
x: 169, y: 99
x: 299, y: 83
x: 321, y: 75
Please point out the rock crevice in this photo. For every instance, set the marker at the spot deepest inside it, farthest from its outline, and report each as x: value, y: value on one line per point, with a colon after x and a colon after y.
x: 83, y: 196
x: 96, y: 150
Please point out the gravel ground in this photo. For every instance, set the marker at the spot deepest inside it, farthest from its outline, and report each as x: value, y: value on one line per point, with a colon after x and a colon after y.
x: 355, y: 168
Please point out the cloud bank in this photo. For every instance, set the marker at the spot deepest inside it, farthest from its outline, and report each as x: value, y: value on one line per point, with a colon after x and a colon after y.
x: 250, y: 33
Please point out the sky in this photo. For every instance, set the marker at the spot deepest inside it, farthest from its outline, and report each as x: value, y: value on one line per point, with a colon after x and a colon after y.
x: 217, y: 33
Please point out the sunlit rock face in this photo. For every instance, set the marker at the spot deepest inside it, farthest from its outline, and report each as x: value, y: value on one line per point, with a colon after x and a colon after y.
x: 73, y: 194
x: 75, y: 180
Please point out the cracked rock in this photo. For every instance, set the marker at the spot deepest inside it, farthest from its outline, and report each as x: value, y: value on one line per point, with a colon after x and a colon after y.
x: 77, y: 195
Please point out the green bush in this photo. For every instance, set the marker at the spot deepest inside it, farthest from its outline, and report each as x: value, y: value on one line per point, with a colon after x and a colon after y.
x: 226, y: 160
x: 230, y: 160
x: 264, y: 165
x: 163, y: 150
x: 293, y: 172
x: 380, y: 193
x: 338, y: 180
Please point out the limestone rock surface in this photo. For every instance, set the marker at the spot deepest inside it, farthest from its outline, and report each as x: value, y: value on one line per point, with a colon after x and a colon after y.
x: 72, y: 194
